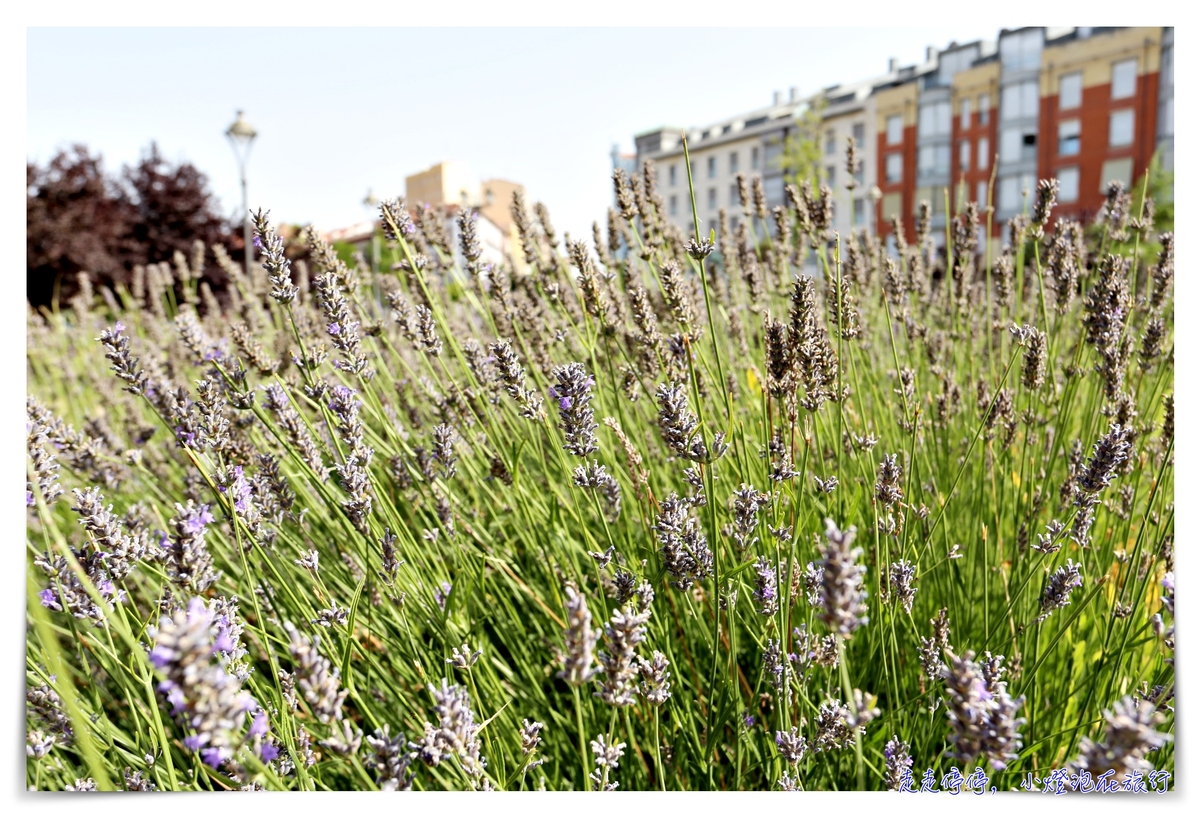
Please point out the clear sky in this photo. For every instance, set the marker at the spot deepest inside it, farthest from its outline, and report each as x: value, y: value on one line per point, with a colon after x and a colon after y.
x: 342, y: 110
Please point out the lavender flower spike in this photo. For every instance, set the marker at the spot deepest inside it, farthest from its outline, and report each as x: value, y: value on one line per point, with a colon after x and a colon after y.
x: 578, y: 661
x: 572, y: 390
x: 843, y: 598
x: 273, y: 259
x: 1057, y: 592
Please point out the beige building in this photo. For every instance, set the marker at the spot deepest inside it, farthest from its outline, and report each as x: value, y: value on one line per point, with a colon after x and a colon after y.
x: 896, y: 152
x: 452, y: 184
x: 444, y: 183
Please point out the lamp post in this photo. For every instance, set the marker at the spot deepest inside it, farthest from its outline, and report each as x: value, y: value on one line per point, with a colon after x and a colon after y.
x: 241, y: 135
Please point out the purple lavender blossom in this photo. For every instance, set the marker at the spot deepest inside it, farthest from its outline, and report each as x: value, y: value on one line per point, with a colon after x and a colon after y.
x: 240, y: 489
x: 573, y: 391
x: 196, y: 521
x: 765, y: 587
x: 207, y: 698
x: 442, y: 595
x: 258, y: 727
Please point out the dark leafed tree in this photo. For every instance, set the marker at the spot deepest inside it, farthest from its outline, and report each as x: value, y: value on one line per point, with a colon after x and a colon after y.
x: 76, y: 220
x: 80, y: 219
x: 171, y: 207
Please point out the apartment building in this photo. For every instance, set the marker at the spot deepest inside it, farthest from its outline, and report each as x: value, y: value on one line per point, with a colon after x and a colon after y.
x: 753, y: 144
x: 896, y: 151
x: 975, y: 102
x: 1166, y: 99
x: 1100, y: 107
x: 750, y: 143
x: 1086, y: 105
x: 849, y: 113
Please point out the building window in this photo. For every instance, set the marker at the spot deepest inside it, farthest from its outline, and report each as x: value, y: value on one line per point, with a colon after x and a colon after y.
x: 983, y: 158
x: 712, y: 198
x: 1168, y: 117
x: 1029, y: 146
x: 1068, y: 138
x: 830, y: 143
x: 674, y: 201
x: 1010, y: 144
x: 1120, y: 128
x: 1124, y: 79
x: 985, y: 107
x: 1116, y: 170
x: 860, y: 211
x: 1010, y: 190
x: 964, y: 155
x: 772, y: 153
x: 712, y: 167
x: 860, y: 174
x: 860, y: 133
x: 933, y: 160
x: 1021, y: 50
x: 893, y: 168
x: 734, y: 198
x: 1070, y: 91
x: 1008, y: 194
x: 1068, y: 185
x: 981, y: 193
x: 831, y: 174
x: 671, y: 175
x: 733, y: 162
x: 895, y: 129
x: 754, y: 158
x: 891, y: 205
x: 773, y: 190
x: 934, y: 195
x: 966, y: 114
x: 934, y: 119
x: 1018, y: 143
x: 1019, y: 101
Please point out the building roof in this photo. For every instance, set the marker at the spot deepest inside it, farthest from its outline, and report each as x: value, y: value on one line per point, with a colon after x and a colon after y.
x: 351, y: 234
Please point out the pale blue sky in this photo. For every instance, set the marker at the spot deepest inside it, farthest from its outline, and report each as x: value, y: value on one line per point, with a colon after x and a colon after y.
x: 341, y: 110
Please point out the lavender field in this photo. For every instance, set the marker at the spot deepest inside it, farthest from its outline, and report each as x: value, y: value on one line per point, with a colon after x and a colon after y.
x: 779, y: 509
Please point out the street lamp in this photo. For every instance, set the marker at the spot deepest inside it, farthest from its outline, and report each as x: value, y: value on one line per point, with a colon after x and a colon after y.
x: 241, y: 135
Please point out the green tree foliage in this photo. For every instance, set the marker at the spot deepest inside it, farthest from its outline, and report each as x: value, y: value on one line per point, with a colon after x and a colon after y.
x: 802, y: 156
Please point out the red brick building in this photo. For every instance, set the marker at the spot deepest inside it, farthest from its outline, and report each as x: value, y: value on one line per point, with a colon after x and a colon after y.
x: 1099, y: 114
x: 1083, y: 105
